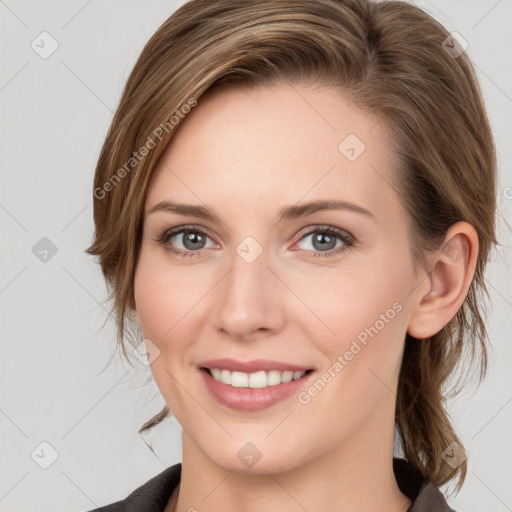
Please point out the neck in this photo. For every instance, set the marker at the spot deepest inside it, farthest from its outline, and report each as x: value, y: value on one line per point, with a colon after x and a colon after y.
x: 356, y: 476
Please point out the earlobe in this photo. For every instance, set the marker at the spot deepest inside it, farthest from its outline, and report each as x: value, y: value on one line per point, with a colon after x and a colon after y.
x: 448, y: 282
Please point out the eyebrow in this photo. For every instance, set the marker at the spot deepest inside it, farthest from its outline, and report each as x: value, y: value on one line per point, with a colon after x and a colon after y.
x: 286, y: 213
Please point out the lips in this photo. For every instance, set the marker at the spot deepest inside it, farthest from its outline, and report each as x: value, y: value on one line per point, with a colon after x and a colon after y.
x: 258, y: 397
x: 252, y: 366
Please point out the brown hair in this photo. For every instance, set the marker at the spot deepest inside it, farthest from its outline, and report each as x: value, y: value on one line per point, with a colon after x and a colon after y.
x: 390, y: 58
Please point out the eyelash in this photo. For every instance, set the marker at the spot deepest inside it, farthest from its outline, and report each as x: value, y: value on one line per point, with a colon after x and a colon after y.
x: 346, y: 238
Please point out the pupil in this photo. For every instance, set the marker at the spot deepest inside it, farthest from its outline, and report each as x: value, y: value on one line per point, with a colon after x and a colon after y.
x: 191, y: 239
x: 321, y: 237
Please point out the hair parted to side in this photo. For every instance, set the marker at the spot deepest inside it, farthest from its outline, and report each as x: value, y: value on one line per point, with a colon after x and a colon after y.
x: 387, y: 57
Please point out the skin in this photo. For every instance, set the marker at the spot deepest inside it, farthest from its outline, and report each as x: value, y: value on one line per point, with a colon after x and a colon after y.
x: 245, y: 153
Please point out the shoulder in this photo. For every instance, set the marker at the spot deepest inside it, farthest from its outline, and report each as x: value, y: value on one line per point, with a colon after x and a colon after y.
x: 152, y: 496
x: 425, y: 496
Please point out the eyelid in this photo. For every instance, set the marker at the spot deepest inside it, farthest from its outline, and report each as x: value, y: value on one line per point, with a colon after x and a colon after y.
x: 347, y: 239
x: 164, y: 236
x: 342, y: 233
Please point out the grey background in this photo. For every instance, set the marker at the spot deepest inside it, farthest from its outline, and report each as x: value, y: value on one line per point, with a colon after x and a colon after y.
x: 55, y: 384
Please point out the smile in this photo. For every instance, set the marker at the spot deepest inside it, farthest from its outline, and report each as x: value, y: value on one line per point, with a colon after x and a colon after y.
x: 253, y: 385
x: 258, y: 379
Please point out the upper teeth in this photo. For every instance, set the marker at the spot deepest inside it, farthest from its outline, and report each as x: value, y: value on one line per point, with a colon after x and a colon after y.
x: 259, y: 379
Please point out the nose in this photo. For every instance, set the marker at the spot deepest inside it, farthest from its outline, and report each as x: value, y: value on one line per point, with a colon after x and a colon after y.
x: 250, y: 299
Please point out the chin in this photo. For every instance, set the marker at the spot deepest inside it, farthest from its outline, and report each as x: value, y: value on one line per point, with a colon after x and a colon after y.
x: 251, y: 458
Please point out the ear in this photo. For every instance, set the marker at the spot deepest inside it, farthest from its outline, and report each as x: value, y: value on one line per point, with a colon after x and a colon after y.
x: 443, y: 290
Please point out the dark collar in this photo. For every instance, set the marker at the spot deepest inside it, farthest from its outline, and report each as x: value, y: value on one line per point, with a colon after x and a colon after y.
x: 424, y: 495
x: 153, y: 495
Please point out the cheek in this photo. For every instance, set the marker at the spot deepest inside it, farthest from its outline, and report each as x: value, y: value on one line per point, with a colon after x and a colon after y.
x: 363, y: 313
x: 164, y: 300
x: 165, y: 295
x: 345, y: 303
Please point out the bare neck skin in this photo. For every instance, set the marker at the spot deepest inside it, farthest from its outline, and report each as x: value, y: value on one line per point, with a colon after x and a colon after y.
x: 356, y: 477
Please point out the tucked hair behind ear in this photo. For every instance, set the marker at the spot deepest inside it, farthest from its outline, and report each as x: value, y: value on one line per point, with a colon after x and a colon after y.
x: 388, y: 58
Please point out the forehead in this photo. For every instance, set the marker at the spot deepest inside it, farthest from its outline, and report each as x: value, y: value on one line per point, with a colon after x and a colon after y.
x: 251, y: 147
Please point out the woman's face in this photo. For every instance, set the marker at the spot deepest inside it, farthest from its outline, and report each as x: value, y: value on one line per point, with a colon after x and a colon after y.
x: 249, y: 284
